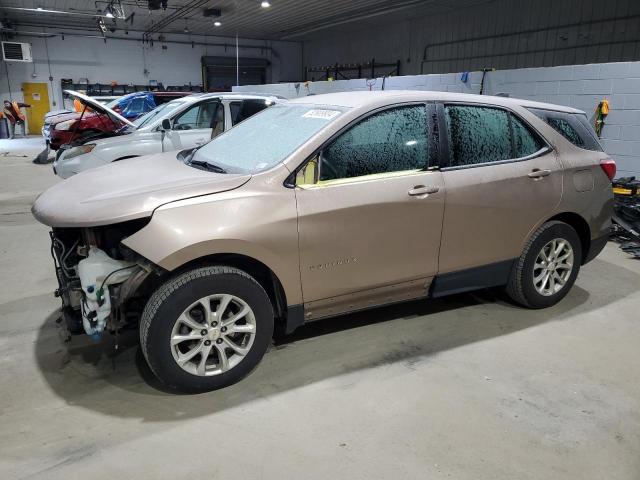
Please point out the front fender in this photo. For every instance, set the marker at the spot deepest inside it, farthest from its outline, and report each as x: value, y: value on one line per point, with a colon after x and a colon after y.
x: 67, y: 167
x: 260, y: 225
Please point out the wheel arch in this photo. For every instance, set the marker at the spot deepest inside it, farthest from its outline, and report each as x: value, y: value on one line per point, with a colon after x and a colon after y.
x: 286, y: 317
x: 580, y: 225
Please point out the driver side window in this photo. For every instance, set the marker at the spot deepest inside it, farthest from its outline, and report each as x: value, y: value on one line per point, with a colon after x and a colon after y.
x: 197, y: 117
x: 393, y: 140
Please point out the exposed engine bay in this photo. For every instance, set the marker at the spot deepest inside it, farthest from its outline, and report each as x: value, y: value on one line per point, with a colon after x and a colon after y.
x: 99, y: 279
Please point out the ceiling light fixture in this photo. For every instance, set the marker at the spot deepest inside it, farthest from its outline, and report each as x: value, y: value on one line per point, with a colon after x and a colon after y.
x: 216, y: 24
x: 265, y: 4
x: 108, y: 13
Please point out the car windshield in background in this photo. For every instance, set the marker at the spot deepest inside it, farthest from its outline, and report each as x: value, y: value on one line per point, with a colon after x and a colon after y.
x: 261, y: 141
x: 151, y: 116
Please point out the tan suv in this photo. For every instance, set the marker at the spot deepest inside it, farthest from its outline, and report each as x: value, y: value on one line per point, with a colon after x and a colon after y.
x: 321, y: 206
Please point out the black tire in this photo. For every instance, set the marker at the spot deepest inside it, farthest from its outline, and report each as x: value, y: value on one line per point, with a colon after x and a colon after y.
x: 169, y: 301
x: 521, y: 286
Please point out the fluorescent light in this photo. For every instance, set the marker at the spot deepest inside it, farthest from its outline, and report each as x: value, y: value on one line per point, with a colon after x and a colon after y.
x: 265, y: 4
x: 39, y: 9
x: 216, y: 24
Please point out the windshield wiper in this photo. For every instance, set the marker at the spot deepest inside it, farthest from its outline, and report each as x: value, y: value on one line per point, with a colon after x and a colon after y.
x: 206, y: 166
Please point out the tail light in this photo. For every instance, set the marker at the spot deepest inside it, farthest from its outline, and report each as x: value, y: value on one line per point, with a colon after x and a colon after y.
x: 608, y: 166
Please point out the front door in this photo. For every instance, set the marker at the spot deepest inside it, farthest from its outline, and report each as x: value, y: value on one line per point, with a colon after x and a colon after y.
x: 502, y: 180
x: 36, y: 95
x: 195, y: 125
x: 370, y: 220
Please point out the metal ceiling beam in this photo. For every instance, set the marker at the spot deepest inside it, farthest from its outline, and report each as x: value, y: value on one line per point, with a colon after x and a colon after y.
x: 232, y: 45
x: 178, y: 14
x: 56, y: 12
x: 353, y: 17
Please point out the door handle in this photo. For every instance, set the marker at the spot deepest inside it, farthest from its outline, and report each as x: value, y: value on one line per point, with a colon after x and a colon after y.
x: 422, y: 190
x: 537, y: 173
x: 200, y: 141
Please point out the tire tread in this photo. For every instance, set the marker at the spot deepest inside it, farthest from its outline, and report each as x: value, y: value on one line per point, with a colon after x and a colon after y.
x: 516, y: 280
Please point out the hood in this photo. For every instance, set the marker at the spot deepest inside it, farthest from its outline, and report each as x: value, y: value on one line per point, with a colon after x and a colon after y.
x: 99, y: 138
x: 127, y: 190
x: 98, y: 107
x: 63, y: 116
x: 54, y: 113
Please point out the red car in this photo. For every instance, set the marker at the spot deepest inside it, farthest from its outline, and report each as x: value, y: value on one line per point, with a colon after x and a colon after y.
x: 69, y: 126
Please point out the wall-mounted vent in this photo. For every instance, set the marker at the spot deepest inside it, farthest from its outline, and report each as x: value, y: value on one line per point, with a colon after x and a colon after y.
x: 16, y: 52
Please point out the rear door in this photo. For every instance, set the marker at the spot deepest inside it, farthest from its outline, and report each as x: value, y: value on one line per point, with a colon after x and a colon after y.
x: 502, y: 180
x: 369, y: 222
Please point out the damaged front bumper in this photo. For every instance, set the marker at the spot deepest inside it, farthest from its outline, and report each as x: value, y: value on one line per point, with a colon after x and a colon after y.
x: 93, y: 286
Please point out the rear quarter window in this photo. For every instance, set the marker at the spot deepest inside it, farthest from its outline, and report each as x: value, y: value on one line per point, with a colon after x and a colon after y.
x: 572, y: 126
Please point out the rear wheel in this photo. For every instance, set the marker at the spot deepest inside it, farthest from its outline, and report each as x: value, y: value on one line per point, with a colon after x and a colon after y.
x: 206, y: 328
x: 548, y: 267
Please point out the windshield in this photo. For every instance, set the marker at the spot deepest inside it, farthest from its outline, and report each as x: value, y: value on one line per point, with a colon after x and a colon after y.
x: 158, y: 112
x: 267, y: 138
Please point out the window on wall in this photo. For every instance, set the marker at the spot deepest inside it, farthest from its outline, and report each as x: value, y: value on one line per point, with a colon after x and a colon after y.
x: 390, y: 141
x: 484, y: 134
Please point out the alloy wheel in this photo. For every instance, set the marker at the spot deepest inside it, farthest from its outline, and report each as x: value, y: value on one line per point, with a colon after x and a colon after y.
x: 553, y: 266
x: 213, y: 335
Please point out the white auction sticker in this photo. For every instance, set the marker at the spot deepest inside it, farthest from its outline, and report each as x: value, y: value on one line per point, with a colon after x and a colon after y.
x: 323, y: 114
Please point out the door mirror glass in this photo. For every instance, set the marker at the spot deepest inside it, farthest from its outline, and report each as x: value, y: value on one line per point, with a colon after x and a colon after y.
x: 308, y: 175
x: 166, y: 124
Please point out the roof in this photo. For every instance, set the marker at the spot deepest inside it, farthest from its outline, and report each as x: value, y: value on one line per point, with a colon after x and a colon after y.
x: 234, y: 95
x: 376, y: 98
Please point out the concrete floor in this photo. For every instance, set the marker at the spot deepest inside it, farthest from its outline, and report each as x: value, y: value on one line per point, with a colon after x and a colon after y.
x: 469, y: 387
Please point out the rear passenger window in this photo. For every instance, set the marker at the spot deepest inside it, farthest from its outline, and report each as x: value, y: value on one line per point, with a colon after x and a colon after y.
x: 572, y: 126
x: 484, y: 134
x: 477, y: 134
x: 241, y: 110
x: 525, y: 141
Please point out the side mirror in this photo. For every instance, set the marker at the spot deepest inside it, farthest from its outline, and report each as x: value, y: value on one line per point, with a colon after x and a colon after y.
x: 166, y: 124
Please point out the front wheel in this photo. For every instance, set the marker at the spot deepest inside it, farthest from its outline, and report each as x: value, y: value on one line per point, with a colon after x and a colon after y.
x: 206, y: 328
x: 548, y: 267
